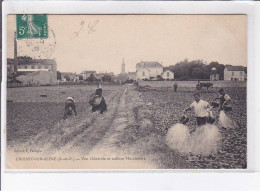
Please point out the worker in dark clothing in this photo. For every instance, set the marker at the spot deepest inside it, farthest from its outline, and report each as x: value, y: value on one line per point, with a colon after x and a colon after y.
x: 224, y: 100
x: 98, y: 103
x: 175, y: 86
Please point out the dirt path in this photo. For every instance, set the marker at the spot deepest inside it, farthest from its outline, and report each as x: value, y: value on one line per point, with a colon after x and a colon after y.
x: 102, y: 142
x: 108, y: 146
x: 119, y: 123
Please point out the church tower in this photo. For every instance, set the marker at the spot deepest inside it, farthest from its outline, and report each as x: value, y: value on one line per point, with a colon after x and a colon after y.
x: 123, y: 67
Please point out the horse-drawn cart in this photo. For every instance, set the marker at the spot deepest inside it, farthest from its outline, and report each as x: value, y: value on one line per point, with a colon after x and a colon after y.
x: 207, y: 85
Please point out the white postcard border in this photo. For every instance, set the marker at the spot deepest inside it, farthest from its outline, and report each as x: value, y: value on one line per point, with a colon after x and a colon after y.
x: 136, y: 179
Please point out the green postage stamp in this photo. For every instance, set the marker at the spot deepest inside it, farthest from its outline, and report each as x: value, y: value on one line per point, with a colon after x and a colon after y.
x: 31, y: 26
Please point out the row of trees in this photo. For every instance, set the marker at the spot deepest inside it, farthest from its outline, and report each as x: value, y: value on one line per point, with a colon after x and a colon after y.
x: 197, y: 69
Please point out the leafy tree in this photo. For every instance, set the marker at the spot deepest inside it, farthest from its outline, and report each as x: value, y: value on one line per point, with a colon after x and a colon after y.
x: 91, y: 78
x: 219, y: 67
x: 106, y: 78
x: 196, y: 69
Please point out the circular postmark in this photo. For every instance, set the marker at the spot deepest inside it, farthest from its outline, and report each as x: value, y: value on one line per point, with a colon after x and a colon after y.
x: 37, y: 48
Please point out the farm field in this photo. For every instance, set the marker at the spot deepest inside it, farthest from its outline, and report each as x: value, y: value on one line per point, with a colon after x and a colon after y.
x: 28, y: 113
x: 135, y: 125
x: 168, y: 106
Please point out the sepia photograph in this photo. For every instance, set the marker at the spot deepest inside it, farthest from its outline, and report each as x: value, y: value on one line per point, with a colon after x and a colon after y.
x: 126, y: 91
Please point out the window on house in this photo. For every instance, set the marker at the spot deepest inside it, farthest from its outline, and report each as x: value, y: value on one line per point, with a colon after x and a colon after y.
x: 33, y: 67
x: 214, y: 75
x: 232, y: 73
x: 39, y: 67
x: 168, y: 74
x: 46, y: 67
x: 241, y: 73
x: 25, y: 67
x: 231, y: 78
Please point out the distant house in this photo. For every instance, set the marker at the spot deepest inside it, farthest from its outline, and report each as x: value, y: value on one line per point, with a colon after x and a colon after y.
x: 67, y: 76
x: 131, y: 75
x: 146, y: 70
x: 33, y: 71
x: 234, y: 73
x: 86, y: 74
x: 167, y: 73
x: 38, y: 78
x: 149, y: 70
x: 26, y: 66
x: 214, y: 75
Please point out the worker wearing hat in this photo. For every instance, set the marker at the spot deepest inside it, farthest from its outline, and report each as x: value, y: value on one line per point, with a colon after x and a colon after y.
x: 224, y: 99
x: 69, y: 107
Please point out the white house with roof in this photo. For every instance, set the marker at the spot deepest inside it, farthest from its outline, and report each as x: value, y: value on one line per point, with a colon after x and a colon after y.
x: 214, y: 75
x: 34, y: 71
x: 167, y: 73
x: 33, y: 65
x: 234, y: 73
x: 148, y: 70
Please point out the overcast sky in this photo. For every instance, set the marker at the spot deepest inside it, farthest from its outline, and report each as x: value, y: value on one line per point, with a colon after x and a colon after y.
x: 163, y: 38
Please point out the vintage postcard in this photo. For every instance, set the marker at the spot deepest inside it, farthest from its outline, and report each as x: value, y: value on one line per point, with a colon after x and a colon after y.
x: 126, y: 92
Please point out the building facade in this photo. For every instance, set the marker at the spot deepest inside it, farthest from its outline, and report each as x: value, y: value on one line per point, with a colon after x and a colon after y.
x: 214, y: 75
x: 38, y: 78
x: 167, y: 74
x: 234, y: 73
x: 143, y: 73
x: 33, y: 65
x: 151, y: 70
x: 27, y: 66
x: 147, y: 70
